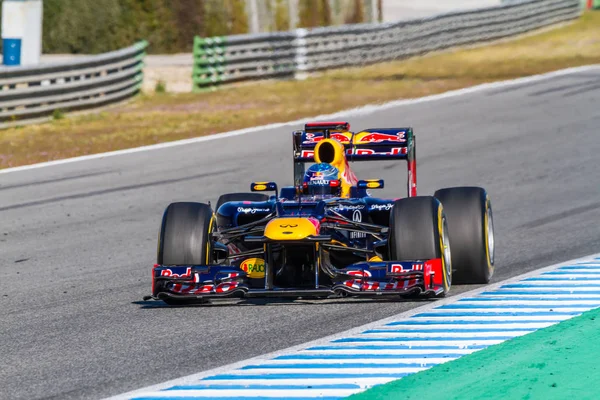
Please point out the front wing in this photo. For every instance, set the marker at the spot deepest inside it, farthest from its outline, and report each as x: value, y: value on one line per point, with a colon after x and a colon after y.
x: 364, y: 279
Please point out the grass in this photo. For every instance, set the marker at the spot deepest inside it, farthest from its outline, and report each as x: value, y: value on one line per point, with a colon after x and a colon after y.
x: 165, y: 117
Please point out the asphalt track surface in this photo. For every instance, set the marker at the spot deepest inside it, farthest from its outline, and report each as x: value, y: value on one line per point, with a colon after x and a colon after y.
x: 77, y: 240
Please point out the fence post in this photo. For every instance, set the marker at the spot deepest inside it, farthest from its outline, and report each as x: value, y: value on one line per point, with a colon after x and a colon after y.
x: 300, y: 60
x: 293, y: 14
x: 253, y: 17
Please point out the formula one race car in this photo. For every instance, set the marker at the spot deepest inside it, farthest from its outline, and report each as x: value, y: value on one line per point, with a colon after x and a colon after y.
x: 325, y: 236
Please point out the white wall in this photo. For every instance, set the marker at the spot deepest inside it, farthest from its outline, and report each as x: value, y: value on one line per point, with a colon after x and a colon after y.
x: 23, y: 20
x: 394, y: 10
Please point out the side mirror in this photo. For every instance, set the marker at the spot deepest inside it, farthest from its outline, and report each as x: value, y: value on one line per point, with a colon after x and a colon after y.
x: 370, y: 184
x: 263, y: 187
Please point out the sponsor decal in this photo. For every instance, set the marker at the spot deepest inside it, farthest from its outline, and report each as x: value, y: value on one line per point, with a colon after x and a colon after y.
x: 396, y: 268
x: 377, y: 137
x: 319, y: 182
x: 253, y: 267
x: 394, y: 151
x: 260, y: 187
x: 370, y: 152
x: 381, y: 207
x: 344, y: 207
x: 357, y: 217
x: 252, y: 210
x: 169, y: 273
x: 307, y: 154
x: 317, y: 137
x: 288, y: 225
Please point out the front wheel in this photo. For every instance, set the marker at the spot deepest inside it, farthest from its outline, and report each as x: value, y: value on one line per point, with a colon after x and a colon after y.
x: 471, y: 233
x: 418, y: 231
x: 184, y: 238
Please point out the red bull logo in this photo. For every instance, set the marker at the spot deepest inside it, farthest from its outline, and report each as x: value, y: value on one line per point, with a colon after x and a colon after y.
x: 169, y: 273
x: 377, y: 137
x: 397, y: 268
x: 317, y: 137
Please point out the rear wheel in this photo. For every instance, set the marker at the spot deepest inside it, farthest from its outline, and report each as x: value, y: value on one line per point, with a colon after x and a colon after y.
x: 471, y: 233
x: 184, y: 237
x: 418, y: 231
x: 224, y: 198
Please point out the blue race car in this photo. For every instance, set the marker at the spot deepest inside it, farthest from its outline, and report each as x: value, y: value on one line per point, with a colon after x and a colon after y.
x: 326, y: 236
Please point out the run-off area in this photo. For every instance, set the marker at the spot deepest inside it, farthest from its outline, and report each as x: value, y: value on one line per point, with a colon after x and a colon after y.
x: 400, y: 347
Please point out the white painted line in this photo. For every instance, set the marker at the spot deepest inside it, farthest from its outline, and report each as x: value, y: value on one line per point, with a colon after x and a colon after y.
x: 556, y: 318
x: 365, y: 360
x: 548, y: 303
x: 383, y: 342
x: 354, y: 112
x: 385, y: 346
x: 507, y: 308
x: 529, y: 287
x: 386, y: 350
x: 433, y: 325
x: 241, y: 393
x: 362, y: 382
x: 465, y: 335
x: 327, y: 370
x: 533, y: 295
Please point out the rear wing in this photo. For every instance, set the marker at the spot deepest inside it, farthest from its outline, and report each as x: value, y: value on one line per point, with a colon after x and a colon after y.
x: 367, y: 145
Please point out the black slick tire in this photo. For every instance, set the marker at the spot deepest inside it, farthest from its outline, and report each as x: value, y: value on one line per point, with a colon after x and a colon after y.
x: 184, y: 234
x: 471, y: 233
x: 418, y: 231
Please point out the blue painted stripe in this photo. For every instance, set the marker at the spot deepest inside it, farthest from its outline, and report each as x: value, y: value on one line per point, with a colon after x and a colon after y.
x: 232, y: 377
x: 546, y: 279
x: 564, y: 285
x: 235, y: 398
x: 508, y: 306
x: 568, y: 272
x: 519, y: 298
x: 578, y: 266
x: 354, y: 356
x: 497, y: 314
x: 418, y: 339
x: 338, y: 366
x: 465, y: 322
x: 265, y: 387
x: 399, y: 347
x: 457, y: 330
x: 538, y: 292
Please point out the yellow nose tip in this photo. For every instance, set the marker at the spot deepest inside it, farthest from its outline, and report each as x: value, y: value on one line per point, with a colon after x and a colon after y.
x: 291, y: 228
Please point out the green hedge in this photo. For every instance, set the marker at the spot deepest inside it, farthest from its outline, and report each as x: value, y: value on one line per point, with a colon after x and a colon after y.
x: 97, y: 26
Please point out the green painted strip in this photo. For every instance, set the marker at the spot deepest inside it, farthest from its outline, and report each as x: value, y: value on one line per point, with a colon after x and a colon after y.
x: 558, y: 362
x: 141, y: 45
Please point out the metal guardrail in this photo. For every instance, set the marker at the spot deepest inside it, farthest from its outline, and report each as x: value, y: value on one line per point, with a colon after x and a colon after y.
x: 34, y: 94
x: 226, y: 59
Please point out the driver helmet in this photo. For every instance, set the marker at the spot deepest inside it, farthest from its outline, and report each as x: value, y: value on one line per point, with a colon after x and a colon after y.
x: 322, y: 179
